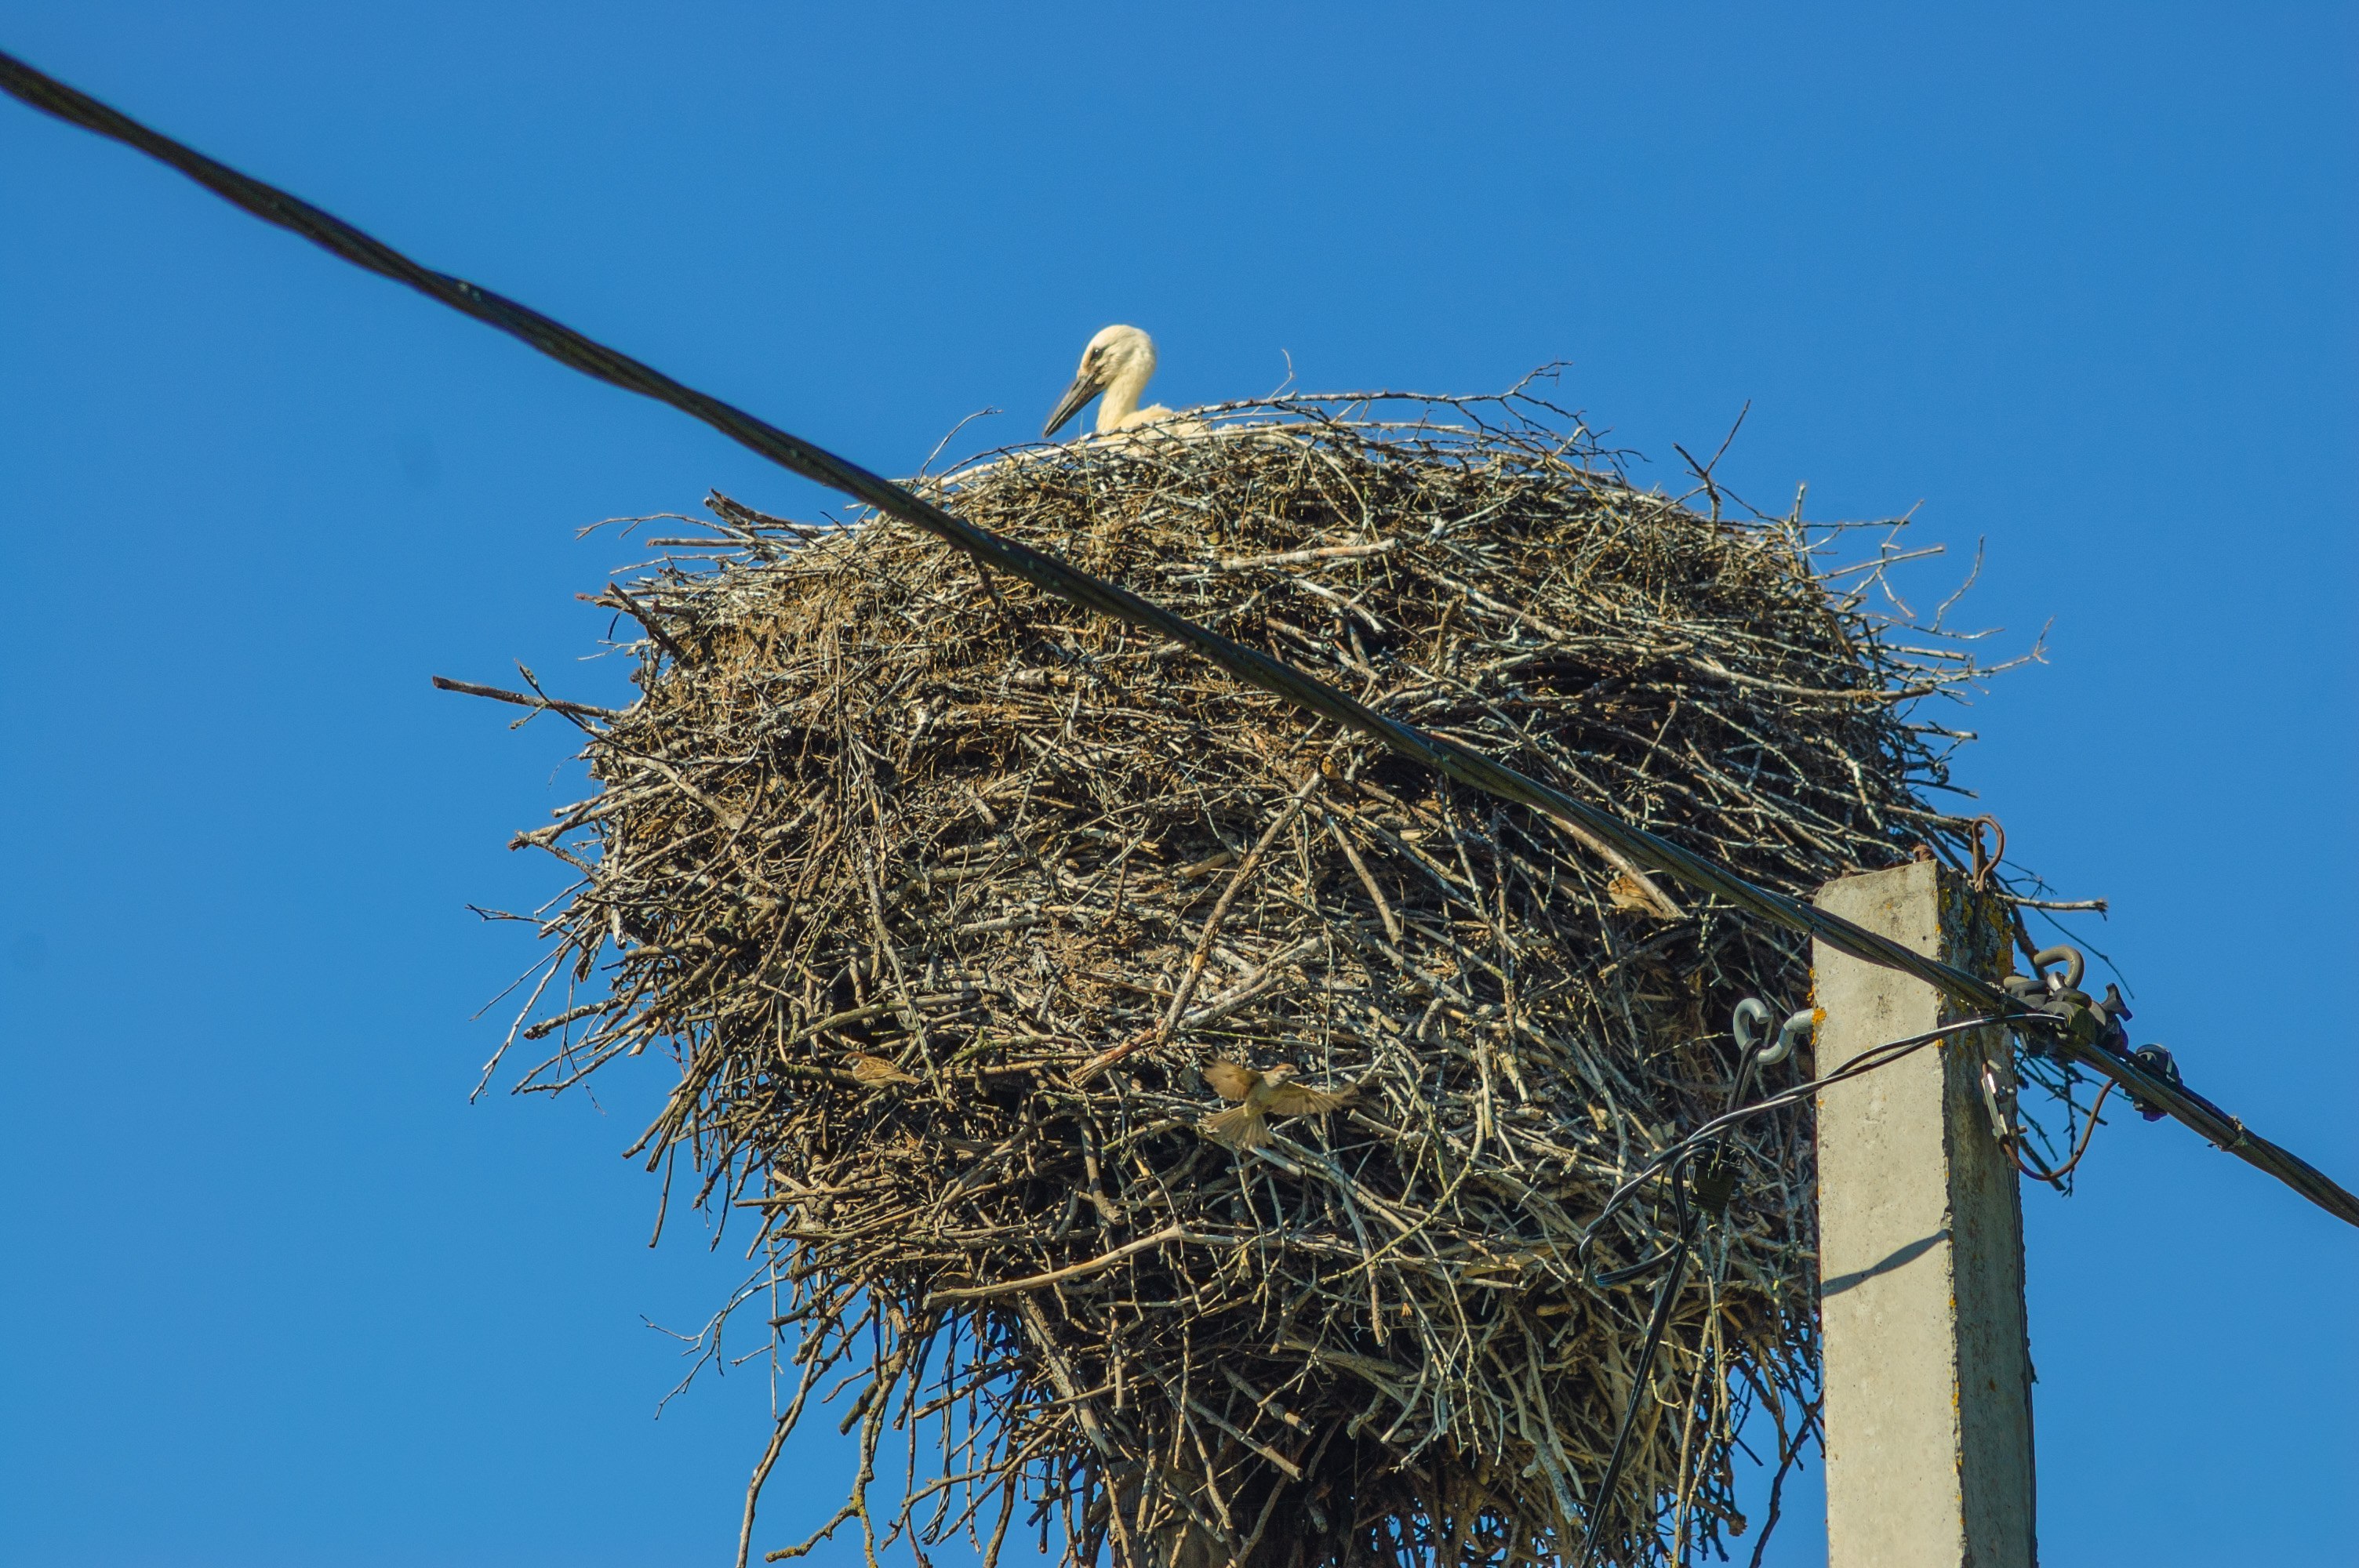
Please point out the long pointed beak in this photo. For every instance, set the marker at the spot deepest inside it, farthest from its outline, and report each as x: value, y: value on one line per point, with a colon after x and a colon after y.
x: 1076, y: 398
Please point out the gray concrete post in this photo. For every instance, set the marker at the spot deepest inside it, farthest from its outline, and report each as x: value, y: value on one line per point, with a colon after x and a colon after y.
x: 1920, y: 1251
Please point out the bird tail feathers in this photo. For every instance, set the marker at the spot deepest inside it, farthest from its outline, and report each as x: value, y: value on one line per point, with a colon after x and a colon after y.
x: 1239, y: 1127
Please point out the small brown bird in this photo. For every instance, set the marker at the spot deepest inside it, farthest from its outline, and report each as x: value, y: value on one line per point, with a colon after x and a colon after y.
x: 1629, y: 897
x: 875, y: 1071
x: 1260, y: 1096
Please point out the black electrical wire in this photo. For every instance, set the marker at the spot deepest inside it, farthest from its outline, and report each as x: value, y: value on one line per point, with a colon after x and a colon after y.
x: 1601, y: 1507
x: 1713, y: 1188
x: 1705, y: 1142
x: 1866, y: 1062
x: 1056, y: 577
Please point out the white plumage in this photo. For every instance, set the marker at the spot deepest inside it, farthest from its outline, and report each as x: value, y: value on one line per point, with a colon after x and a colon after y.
x: 1116, y: 367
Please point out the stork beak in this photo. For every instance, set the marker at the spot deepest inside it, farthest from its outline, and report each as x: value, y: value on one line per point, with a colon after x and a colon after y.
x: 1076, y: 398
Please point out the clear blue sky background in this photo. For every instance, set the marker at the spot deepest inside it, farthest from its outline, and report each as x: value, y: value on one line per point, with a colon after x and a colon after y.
x: 275, y: 1293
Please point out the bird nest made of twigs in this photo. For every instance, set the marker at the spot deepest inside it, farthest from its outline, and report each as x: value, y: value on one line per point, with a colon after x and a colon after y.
x: 945, y: 898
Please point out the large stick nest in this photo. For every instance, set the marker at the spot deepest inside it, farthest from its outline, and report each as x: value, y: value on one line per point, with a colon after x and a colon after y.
x: 885, y: 852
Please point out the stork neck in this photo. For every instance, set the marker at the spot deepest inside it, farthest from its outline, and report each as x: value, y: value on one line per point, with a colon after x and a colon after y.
x: 1121, y: 398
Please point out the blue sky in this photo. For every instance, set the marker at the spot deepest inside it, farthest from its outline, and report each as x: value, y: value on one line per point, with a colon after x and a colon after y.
x: 2080, y: 286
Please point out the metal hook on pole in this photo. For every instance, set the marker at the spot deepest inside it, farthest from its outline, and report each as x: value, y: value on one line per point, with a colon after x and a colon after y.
x: 1752, y: 1015
x: 2074, y: 965
x: 1986, y: 863
x: 1715, y: 1180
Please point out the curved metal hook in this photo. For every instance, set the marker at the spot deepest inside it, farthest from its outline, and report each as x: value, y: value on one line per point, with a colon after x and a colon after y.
x: 1985, y: 863
x: 1752, y: 1016
x: 1790, y: 1035
x: 2068, y: 957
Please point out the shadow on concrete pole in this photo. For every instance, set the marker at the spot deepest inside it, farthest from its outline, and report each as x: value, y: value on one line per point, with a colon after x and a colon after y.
x: 1921, y: 1250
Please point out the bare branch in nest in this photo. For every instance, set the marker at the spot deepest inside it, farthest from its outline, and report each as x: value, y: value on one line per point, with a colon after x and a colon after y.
x: 891, y: 860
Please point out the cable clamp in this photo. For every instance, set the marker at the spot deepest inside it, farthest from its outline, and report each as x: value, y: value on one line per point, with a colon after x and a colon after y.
x: 1715, y: 1184
x: 2054, y: 997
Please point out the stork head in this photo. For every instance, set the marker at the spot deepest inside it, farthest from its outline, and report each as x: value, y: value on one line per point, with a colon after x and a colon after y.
x: 1117, y: 355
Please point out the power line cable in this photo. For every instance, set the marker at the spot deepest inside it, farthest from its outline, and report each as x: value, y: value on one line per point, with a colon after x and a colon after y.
x: 1056, y: 577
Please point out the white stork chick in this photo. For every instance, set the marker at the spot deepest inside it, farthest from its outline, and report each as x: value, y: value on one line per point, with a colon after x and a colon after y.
x: 1115, y: 366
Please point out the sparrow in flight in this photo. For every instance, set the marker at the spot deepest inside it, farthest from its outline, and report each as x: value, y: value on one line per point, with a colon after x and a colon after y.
x: 1260, y: 1096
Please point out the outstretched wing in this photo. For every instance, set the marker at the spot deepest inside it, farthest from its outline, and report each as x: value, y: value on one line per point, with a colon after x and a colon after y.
x: 1239, y: 1127
x: 1301, y: 1099
x: 1229, y: 1080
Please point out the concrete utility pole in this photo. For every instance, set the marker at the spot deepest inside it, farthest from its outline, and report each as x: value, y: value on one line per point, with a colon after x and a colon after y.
x: 1921, y: 1250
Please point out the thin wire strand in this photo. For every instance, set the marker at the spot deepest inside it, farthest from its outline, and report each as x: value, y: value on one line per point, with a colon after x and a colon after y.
x: 2028, y: 1163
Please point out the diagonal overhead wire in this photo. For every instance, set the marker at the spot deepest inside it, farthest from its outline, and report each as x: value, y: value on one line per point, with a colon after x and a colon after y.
x: 1618, y: 840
